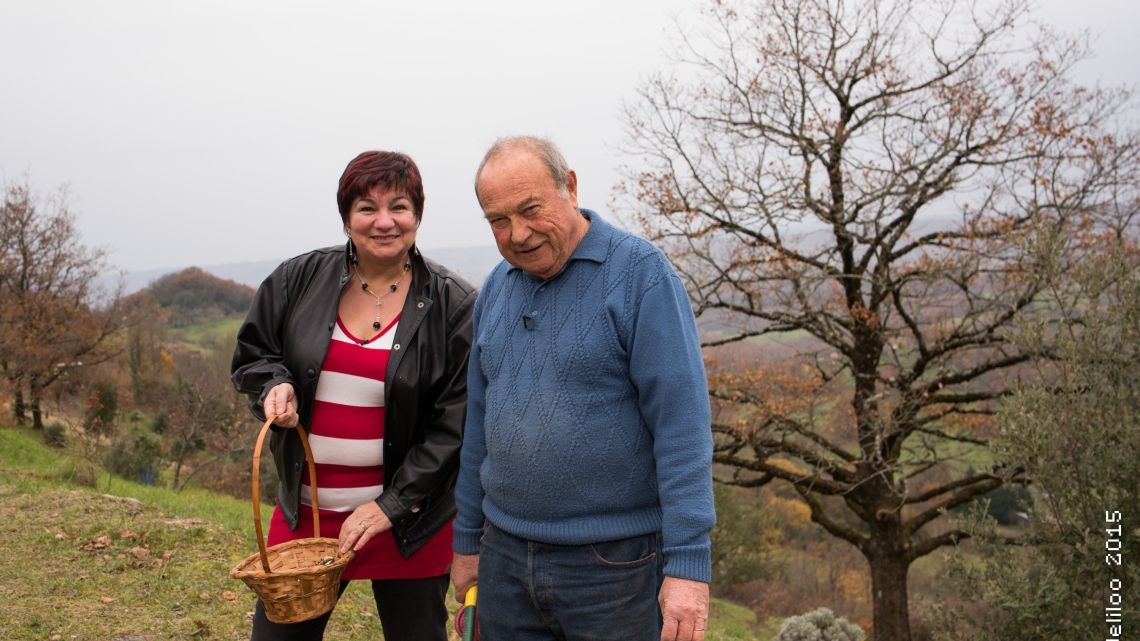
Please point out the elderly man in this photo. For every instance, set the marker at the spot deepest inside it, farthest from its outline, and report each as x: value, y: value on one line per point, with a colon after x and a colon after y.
x: 585, y: 485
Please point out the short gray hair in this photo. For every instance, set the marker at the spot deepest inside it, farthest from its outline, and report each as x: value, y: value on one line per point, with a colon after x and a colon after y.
x: 543, y: 148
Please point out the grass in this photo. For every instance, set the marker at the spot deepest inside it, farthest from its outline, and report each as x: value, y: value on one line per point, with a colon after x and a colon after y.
x: 22, y: 451
x: 81, y: 565
x: 199, y: 335
x: 163, y: 572
x: 729, y: 622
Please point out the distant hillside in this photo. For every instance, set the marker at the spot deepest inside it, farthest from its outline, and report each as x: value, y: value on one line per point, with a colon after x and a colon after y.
x: 472, y: 263
x: 193, y: 294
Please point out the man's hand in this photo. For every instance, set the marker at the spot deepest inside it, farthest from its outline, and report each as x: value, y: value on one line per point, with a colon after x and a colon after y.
x: 281, y: 401
x: 365, y: 522
x: 684, y: 608
x: 464, y: 574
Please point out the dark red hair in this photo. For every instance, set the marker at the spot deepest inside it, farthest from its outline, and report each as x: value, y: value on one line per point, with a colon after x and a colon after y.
x: 390, y: 169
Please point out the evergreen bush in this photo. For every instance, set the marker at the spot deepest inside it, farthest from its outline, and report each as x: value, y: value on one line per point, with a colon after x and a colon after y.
x: 819, y: 625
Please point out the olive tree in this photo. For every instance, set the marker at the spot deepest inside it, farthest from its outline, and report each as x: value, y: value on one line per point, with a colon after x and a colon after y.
x: 1076, y: 433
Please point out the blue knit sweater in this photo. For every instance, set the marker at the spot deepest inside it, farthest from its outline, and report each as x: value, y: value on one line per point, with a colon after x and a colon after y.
x: 588, y: 410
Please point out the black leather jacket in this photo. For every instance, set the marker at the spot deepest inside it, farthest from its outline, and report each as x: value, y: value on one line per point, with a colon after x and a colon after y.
x: 284, y: 339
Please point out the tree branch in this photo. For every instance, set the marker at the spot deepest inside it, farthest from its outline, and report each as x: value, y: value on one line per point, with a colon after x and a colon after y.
x: 819, y: 515
x: 914, y: 523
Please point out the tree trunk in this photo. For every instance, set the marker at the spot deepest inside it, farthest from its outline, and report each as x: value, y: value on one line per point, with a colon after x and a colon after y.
x: 889, y: 593
x: 37, y: 416
x: 18, y: 404
x: 178, y: 463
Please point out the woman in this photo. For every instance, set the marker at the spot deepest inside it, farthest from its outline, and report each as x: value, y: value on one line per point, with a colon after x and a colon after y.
x: 366, y: 345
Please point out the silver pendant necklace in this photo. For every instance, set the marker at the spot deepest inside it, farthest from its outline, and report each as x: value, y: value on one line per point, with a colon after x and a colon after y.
x: 391, y: 288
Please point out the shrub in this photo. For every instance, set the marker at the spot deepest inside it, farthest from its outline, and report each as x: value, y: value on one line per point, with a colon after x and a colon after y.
x: 98, y: 426
x: 135, y: 416
x: 158, y: 426
x: 744, y: 538
x: 55, y: 434
x: 132, y: 451
x: 818, y: 625
x: 102, y: 404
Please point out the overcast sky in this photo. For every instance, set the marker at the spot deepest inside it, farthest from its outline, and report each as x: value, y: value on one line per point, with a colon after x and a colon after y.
x: 214, y: 132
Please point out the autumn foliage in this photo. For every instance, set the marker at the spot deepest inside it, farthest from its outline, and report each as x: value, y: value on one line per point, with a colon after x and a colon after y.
x: 55, y: 313
x: 65, y: 328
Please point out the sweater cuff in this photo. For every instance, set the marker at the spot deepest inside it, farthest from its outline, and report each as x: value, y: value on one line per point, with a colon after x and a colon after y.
x: 466, y: 540
x: 692, y: 562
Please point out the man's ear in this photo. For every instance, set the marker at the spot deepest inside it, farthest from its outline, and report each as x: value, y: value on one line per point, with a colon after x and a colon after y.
x: 572, y: 188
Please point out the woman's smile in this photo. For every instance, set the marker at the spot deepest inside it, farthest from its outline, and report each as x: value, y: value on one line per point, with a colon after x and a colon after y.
x: 382, y: 224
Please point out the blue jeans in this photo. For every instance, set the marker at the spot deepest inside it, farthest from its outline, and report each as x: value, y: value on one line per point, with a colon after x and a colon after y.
x: 531, y: 591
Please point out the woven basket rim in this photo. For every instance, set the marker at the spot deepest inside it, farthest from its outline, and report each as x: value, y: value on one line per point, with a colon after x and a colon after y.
x: 239, y: 572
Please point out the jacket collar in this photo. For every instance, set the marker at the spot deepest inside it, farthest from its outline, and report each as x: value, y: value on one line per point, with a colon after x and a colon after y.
x: 421, y: 275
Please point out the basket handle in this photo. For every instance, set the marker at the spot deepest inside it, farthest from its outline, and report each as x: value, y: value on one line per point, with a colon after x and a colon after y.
x: 257, y: 488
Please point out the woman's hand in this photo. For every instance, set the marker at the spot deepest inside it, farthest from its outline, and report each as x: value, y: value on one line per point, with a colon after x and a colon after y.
x: 281, y: 401
x: 365, y: 522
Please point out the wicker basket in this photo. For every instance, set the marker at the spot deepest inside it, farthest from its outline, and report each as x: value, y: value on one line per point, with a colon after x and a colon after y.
x: 286, y: 577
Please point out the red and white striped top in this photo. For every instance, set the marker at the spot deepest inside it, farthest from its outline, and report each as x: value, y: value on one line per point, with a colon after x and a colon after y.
x: 347, y: 428
x: 347, y: 438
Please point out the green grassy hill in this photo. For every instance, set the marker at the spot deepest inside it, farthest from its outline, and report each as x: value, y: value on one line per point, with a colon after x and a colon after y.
x: 127, y: 561
x: 93, y: 563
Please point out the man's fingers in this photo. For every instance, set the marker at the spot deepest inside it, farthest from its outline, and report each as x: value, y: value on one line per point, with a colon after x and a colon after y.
x: 461, y: 589
x: 464, y: 574
x: 685, y: 629
x: 684, y: 609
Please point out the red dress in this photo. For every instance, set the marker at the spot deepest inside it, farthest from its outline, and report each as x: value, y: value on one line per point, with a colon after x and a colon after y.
x: 347, y: 439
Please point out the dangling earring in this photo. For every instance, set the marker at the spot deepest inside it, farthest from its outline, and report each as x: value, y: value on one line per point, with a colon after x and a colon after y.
x: 351, y: 252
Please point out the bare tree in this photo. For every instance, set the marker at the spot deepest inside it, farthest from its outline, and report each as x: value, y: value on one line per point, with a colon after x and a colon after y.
x: 55, y: 316
x: 863, y: 177
x: 207, y: 420
x: 145, y: 339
